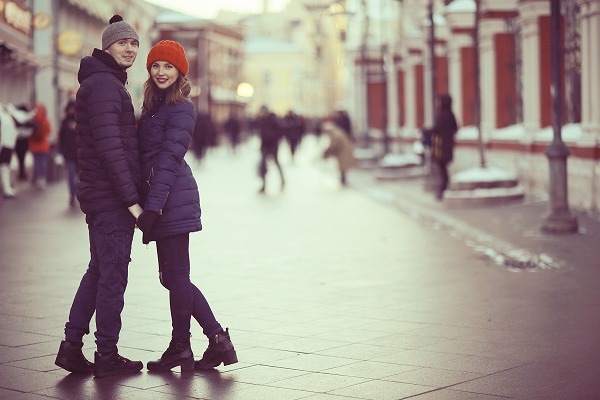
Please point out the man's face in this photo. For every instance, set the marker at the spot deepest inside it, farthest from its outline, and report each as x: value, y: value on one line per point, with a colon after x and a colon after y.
x: 124, y: 52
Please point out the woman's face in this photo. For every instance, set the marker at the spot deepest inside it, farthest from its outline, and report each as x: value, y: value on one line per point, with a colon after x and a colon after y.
x: 163, y: 74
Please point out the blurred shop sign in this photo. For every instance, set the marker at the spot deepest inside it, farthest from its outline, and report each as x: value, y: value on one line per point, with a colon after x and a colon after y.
x: 15, y: 16
x: 70, y: 43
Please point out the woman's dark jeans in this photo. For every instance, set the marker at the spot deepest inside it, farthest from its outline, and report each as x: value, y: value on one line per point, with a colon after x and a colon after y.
x: 185, y: 298
x: 102, y: 287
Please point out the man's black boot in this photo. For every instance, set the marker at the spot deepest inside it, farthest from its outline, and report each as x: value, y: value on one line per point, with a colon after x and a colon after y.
x: 220, y: 350
x: 114, y: 364
x: 71, y: 358
x: 179, y: 353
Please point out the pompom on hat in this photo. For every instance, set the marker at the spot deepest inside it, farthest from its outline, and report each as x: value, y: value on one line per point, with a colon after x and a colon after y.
x: 117, y: 30
x: 171, y: 52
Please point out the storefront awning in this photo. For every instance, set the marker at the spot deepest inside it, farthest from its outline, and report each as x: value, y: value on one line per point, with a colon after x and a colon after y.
x: 99, y: 9
x: 14, y: 57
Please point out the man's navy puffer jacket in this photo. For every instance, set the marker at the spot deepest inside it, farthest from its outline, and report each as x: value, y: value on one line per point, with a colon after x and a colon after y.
x: 107, y: 142
x: 169, y: 187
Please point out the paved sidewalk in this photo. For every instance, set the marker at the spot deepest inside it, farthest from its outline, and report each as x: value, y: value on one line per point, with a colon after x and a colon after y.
x: 371, y: 292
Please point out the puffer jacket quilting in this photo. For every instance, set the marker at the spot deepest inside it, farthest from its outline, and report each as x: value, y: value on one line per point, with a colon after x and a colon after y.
x: 169, y: 185
x: 107, y: 142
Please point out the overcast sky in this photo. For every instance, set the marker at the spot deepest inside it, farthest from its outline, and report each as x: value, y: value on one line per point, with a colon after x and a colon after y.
x: 210, y: 8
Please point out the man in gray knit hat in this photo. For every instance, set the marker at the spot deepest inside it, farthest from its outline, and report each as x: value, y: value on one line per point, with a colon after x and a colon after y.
x: 109, y: 194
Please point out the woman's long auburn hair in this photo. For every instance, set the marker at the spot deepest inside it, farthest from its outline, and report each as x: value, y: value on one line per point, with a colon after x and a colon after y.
x: 178, y: 92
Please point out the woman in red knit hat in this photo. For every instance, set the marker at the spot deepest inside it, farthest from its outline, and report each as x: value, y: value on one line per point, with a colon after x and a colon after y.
x: 172, y: 207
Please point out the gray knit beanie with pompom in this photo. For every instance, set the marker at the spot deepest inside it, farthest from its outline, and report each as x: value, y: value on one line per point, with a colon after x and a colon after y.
x: 117, y: 30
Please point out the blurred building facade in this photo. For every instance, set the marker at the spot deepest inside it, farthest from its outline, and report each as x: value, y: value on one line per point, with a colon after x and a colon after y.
x: 42, y: 42
x: 215, y: 53
x: 391, y: 49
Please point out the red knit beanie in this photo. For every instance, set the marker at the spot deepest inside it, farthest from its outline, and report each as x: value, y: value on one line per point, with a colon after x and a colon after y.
x: 171, y: 52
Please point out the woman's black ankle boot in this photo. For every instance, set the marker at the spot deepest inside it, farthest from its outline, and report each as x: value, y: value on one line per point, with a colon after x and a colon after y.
x: 220, y: 350
x: 179, y: 353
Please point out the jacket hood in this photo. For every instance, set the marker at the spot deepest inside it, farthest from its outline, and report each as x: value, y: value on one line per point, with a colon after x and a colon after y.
x: 100, y: 61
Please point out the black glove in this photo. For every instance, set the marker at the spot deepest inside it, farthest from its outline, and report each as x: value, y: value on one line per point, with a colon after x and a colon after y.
x: 146, y: 220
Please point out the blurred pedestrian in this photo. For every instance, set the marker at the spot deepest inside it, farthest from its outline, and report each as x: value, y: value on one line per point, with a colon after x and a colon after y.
x: 442, y: 141
x: 109, y: 195
x: 270, y: 134
x: 172, y: 207
x: 67, y: 140
x: 232, y: 128
x: 293, y: 129
x: 39, y: 146
x: 9, y: 114
x: 340, y: 147
x: 205, y: 135
x: 22, y: 145
x: 342, y: 119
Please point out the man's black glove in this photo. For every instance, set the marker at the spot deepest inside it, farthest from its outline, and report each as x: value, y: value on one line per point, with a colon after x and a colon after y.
x: 146, y: 220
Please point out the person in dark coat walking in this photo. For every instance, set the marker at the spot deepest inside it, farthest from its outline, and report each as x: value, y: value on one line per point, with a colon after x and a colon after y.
x: 172, y: 207
x: 270, y: 134
x: 67, y: 139
x: 232, y: 128
x: 442, y: 141
x: 109, y: 195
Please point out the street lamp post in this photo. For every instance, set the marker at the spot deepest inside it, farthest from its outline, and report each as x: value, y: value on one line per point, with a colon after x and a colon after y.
x: 560, y: 219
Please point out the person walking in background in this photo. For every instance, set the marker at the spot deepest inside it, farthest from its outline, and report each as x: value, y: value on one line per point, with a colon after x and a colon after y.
x: 342, y: 120
x: 39, y: 146
x: 9, y: 116
x: 67, y: 139
x: 232, y: 128
x: 172, y: 207
x: 442, y: 141
x: 22, y: 145
x: 205, y: 135
x: 109, y: 195
x: 270, y: 134
x: 293, y: 128
x: 340, y: 147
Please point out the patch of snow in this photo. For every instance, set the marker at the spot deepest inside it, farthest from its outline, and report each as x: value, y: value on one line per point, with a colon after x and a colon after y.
x: 513, y: 132
x: 467, y: 133
x: 500, y: 193
x: 458, y: 6
x: 488, y: 174
x: 400, y: 160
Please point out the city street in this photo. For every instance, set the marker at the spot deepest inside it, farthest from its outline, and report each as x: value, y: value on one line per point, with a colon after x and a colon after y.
x: 328, y: 293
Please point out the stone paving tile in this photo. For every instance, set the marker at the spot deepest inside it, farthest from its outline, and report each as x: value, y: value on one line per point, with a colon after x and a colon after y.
x: 311, y: 362
x: 417, y: 358
x: 382, y: 390
x: 319, y: 382
x: 370, y: 369
x: 436, y: 377
x: 496, y: 385
x: 359, y: 351
x: 262, y: 374
x: 480, y: 365
x: 449, y: 394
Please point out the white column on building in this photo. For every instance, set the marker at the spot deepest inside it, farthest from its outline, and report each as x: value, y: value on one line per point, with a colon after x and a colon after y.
x: 460, y: 15
x: 590, y: 67
x: 487, y: 76
x: 529, y: 13
x: 392, y: 94
x: 410, y: 89
x: 44, y: 49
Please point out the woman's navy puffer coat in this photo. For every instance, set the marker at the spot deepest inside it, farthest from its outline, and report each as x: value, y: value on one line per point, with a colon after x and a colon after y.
x: 169, y: 188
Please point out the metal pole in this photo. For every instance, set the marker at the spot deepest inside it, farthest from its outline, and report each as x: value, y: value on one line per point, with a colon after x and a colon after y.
x: 477, y: 68
x: 364, y: 72
x: 432, y: 62
x: 560, y: 219
x: 384, y: 105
